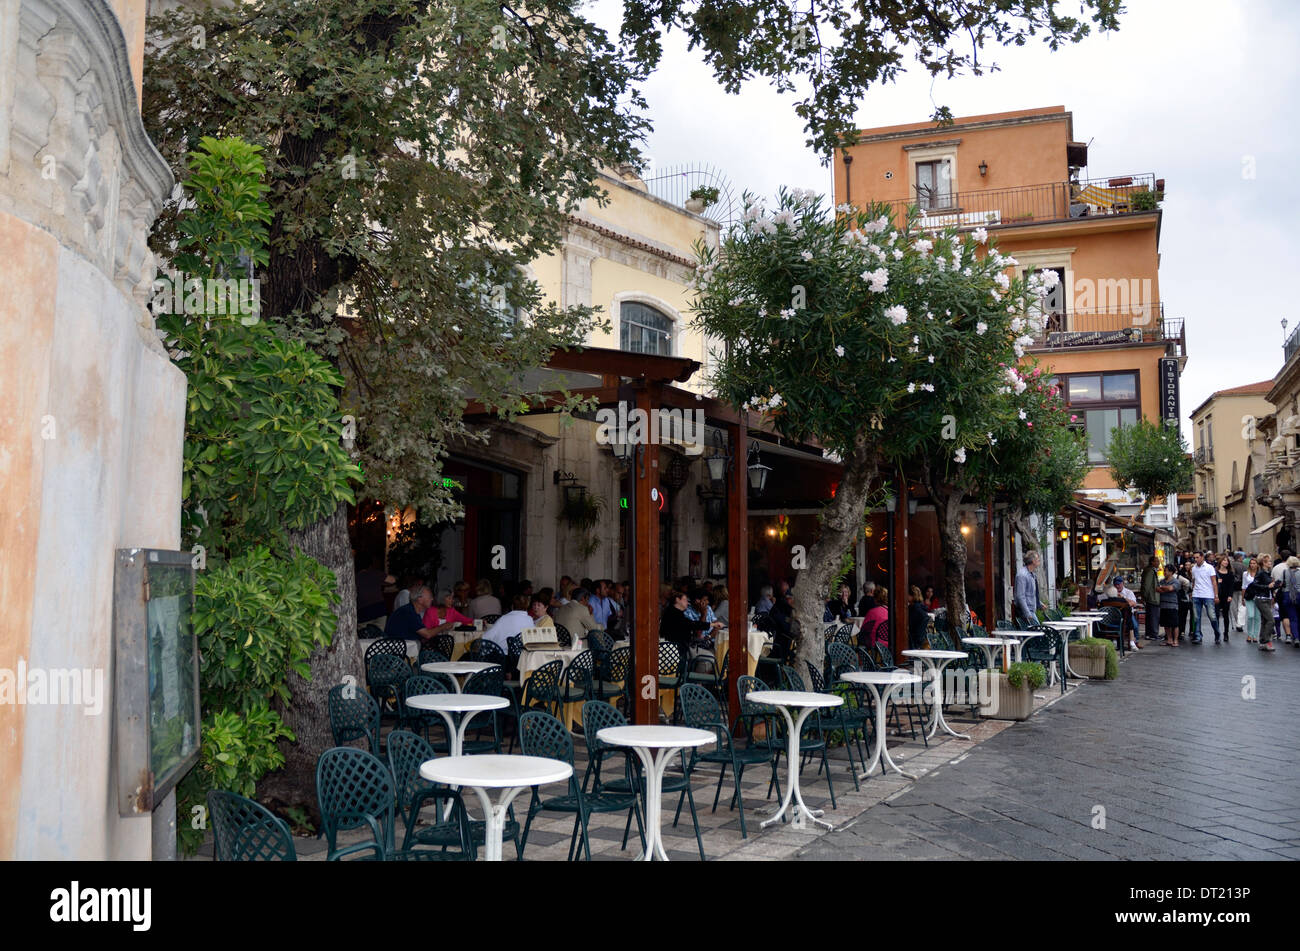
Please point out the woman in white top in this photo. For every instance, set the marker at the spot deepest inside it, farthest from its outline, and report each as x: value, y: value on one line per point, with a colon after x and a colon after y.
x: 1252, y: 610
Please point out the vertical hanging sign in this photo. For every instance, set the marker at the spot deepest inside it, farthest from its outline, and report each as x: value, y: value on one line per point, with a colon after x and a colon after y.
x: 1169, y: 391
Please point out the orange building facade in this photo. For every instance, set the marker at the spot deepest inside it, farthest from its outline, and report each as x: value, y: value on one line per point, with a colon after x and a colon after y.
x: 1023, y: 176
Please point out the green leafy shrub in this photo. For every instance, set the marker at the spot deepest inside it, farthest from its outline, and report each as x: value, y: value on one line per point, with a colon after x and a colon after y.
x: 1025, y: 670
x: 1092, y: 645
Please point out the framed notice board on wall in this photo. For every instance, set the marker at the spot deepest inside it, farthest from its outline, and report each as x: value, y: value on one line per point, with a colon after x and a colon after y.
x: 156, y: 715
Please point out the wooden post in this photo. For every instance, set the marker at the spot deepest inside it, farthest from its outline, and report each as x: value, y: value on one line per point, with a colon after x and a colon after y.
x: 899, y: 612
x: 645, y: 529
x: 738, y: 561
x: 990, y: 617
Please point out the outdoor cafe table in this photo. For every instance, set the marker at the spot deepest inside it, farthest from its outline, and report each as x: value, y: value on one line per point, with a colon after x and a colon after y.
x: 655, y: 746
x: 935, y: 661
x: 1065, y: 626
x: 449, y: 704
x: 874, y: 680
x: 509, y: 773
x: 756, y: 642
x: 1020, y: 638
x: 805, y: 703
x: 988, y: 643
x: 457, y: 669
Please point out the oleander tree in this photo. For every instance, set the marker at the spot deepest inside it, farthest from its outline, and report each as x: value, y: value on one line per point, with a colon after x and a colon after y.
x: 1152, y: 459
x: 869, y: 336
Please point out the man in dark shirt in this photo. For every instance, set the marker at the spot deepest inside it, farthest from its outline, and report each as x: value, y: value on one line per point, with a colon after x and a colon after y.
x: 407, y: 622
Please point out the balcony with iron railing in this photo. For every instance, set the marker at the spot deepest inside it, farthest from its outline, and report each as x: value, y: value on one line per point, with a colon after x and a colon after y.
x: 1114, y: 326
x: 1204, y: 457
x: 1292, y: 344
x: 1203, y: 510
x: 1032, y: 204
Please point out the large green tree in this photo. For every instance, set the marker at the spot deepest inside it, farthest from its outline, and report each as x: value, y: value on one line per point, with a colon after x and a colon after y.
x: 1150, y: 457
x: 418, y: 156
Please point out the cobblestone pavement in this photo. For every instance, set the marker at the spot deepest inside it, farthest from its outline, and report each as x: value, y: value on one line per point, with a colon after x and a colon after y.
x: 1191, y: 754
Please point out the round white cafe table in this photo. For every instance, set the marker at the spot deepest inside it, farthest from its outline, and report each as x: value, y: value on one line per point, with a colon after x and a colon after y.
x: 655, y: 746
x: 1020, y: 637
x: 890, y: 681
x: 457, y: 669
x: 935, y: 661
x: 511, y: 774
x: 449, y: 704
x: 805, y: 703
x: 1064, y: 627
x: 988, y: 643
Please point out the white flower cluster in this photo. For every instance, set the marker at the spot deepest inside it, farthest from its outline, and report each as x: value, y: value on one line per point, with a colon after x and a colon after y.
x: 806, y: 255
x: 960, y: 454
x: 800, y: 195
x: 839, y: 351
x: 756, y: 220
x: 844, y: 209
x: 784, y: 219
x: 897, y: 314
x: 980, y: 235
x: 787, y: 312
x: 879, y: 279
x: 981, y: 328
x: 762, y: 405
x: 923, y: 246
x: 1014, y: 381
x: 1002, y: 281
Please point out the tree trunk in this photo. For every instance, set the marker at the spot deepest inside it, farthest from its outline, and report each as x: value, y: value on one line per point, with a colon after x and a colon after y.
x: 307, y: 713
x: 842, y: 520
x: 952, y: 549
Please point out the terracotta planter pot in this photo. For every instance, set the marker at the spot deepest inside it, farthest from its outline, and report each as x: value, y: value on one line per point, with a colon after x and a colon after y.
x: 1001, y: 701
x: 1088, y: 661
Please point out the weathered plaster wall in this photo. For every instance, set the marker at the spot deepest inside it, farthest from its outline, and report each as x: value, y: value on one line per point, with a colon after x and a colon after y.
x: 93, y: 410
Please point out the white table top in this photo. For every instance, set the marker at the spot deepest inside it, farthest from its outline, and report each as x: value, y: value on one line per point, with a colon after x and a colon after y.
x: 457, y: 702
x: 1025, y: 634
x: 655, y: 737
x: 882, y: 678
x: 1088, y: 614
x: 794, y: 698
x: 457, y: 667
x: 985, y: 641
x: 495, y: 770
x: 935, y: 654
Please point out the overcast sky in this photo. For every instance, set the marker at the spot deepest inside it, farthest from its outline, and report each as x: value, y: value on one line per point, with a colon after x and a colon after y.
x: 1197, y: 92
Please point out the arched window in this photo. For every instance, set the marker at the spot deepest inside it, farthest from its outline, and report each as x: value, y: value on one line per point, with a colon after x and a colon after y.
x: 643, y: 329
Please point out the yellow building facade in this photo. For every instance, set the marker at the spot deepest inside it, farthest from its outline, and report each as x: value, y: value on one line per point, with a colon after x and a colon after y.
x: 1224, y: 428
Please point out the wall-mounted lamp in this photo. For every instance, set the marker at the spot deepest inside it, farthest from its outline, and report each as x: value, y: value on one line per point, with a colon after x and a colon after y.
x: 757, y: 471
x: 984, y: 168
x: 891, y: 503
x: 1065, y: 533
x: 911, y: 506
x: 965, y: 529
x: 1087, y: 537
x: 720, y: 461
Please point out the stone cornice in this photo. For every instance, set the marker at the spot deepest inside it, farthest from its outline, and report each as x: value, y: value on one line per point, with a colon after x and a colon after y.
x: 74, y: 156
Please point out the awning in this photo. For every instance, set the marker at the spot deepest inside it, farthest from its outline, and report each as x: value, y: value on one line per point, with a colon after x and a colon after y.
x: 1267, y: 525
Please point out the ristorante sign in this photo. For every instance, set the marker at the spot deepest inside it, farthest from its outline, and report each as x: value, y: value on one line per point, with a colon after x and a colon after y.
x: 1169, y: 390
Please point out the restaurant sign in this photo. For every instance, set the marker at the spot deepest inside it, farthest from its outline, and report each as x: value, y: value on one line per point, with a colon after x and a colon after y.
x: 1169, y: 390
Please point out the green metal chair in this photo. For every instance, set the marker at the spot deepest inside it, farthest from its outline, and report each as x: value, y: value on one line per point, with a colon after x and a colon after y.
x: 406, y: 753
x: 355, y: 790
x: 354, y: 715
x: 415, y: 719
x: 1047, y: 649
x: 385, y: 675
x: 246, y: 831
x: 429, y: 655
x: 713, y: 678
x: 563, y: 637
x: 701, y: 711
x: 541, y: 734
x: 670, y: 672
x: 541, y: 692
x: 444, y: 644
x: 578, y: 679
x: 613, y: 682
x: 490, y: 683
x: 848, y: 717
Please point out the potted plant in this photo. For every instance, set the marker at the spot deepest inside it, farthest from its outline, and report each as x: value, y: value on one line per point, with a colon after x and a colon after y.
x: 582, y: 513
x: 1095, y: 658
x: 1146, y: 200
x: 1010, y: 695
x: 701, y: 198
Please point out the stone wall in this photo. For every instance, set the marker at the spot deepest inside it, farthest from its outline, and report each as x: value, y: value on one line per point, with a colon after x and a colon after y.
x: 91, y: 408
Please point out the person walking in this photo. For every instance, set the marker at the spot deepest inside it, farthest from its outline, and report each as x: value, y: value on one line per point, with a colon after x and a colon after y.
x: 1226, y: 585
x: 1260, y: 594
x: 1167, y: 590
x: 1238, y: 593
x: 1205, y: 593
x: 1248, y: 599
x: 1151, y: 598
x: 1184, y: 599
x: 1291, y: 585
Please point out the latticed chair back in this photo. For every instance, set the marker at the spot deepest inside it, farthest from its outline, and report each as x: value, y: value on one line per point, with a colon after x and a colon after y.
x: 385, y: 673
x: 879, y: 633
x: 444, y: 644
x: 790, y: 679
x: 515, y: 649
x: 843, y: 634
x: 865, y: 660
x: 406, y: 753
x: 620, y: 658
x: 354, y: 715
x: 842, y: 658
x: 490, y: 619
x: 542, y: 689
x: 597, y: 716
x: 815, y: 678
x: 939, y: 640
x: 489, y: 682
x: 600, y: 640
x: 355, y: 790
x: 882, y: 657
x: 541, y: 734
x: 562, y: 636
x: 246, y: 831
x: 577, y: 678
x: 422, y: 685
x: 491, y: 653
x: 670, y: 660
x: 745, y: 685
x: 700, y: 709
x: 388, y: 645
x: 430, y: 655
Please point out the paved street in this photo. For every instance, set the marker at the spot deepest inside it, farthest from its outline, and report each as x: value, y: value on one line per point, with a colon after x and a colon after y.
x: 1183, y: 766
